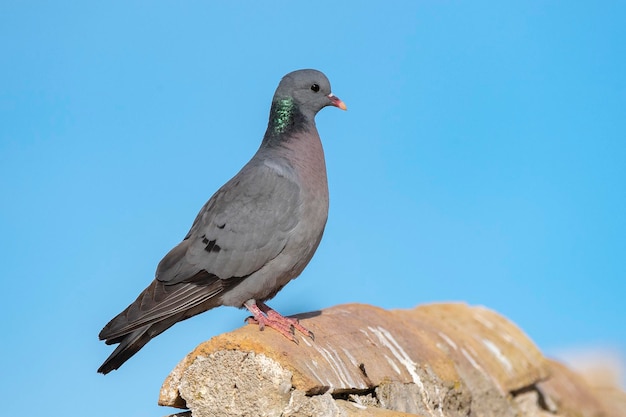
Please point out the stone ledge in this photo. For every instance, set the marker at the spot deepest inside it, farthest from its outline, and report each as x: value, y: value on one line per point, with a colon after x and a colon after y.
x: 443, y: 360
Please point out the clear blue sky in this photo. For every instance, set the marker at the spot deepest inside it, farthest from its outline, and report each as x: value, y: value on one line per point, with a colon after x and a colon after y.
x: 482, y: 159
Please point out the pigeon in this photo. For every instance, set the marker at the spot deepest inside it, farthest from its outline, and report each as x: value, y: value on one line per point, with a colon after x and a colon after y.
x: 253, y: 236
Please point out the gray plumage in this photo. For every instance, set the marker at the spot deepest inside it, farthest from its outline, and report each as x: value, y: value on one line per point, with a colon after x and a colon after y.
x: 254, y: 235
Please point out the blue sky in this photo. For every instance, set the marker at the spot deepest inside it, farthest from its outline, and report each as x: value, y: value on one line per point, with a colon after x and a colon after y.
x: 482, y: 159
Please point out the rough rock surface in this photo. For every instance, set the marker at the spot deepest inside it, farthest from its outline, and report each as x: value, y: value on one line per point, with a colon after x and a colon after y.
x: 445, y: 360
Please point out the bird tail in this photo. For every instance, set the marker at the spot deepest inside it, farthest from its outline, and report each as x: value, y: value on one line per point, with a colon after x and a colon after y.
x: 128, y: 346
x: 132, y: 338
x: 157, y: 309
x: 132, y: 342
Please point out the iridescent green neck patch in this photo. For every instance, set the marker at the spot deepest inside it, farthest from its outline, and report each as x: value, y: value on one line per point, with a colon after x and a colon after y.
x: 283, y: 114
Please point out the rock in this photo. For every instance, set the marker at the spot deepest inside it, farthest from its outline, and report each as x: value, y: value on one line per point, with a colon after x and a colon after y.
x: 444, y: 360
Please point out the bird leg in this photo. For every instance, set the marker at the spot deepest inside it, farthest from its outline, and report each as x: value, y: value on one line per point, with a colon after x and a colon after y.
x: 264, y: 315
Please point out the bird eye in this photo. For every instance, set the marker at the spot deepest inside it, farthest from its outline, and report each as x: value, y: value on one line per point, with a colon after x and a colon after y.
x: 315, y: 88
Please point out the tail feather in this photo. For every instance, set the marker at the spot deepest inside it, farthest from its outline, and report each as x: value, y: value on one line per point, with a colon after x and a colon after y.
x: 129, y: 345
x: 157, y: 309
x: 132, y: 342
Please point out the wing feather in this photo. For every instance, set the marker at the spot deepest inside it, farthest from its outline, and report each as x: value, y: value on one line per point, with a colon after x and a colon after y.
x: 243, y: 226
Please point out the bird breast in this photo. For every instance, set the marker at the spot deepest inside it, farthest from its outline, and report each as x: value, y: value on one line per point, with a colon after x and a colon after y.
x: 306, y: 167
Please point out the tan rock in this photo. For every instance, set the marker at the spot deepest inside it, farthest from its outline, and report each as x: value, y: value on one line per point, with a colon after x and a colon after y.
x: 573, y: 396
x: 443, y: 360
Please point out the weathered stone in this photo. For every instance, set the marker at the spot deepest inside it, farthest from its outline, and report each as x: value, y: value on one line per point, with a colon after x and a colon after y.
x: 573, y: 397
x: 528, y: 403
x: 354, y: 409
x: 236, y: 383
x: 302, y: 405
x: 445, y: 360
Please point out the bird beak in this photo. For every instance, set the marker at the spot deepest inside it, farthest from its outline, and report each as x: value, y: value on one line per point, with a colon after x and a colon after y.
x: 334, y: 100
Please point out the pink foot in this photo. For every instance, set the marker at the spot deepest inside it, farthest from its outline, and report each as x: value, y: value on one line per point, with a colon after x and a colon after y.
x: 263, y: 315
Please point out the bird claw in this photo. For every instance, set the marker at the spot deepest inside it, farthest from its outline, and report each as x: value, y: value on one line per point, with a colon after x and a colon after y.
x: 252, y: 320
x: 263, y: 315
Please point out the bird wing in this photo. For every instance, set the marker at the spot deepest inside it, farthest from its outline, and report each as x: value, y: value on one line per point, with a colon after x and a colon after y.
x: 159, y: 302
x: 242, y: 227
